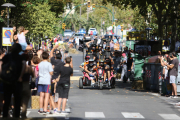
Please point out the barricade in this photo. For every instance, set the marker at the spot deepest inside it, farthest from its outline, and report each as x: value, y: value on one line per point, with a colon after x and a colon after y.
x: 153, y: 77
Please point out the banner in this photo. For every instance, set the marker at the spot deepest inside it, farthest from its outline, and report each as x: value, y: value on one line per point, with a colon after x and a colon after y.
x: 165, y: 45
x: 6, y: 34
x: 136, y: 35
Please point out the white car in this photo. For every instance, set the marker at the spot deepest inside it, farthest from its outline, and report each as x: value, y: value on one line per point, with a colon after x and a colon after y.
x: 92, y: 30
x: 68, y: 32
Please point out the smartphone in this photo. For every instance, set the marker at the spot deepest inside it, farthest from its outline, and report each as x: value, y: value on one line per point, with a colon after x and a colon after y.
x: 70, y: 56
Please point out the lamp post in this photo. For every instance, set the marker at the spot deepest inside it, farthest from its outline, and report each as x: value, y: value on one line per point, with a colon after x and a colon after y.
x: 8, y: 5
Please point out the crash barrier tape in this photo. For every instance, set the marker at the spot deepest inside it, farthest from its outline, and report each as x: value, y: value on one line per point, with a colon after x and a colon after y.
x: 149, y: 73
x: 159, y: 75
x: 153, y: 77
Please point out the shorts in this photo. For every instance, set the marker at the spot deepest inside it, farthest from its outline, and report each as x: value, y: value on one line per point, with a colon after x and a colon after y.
x: 66, y: 51
x: 172, y: 79
x: 44, y: 88
x: 23, y: 46
x: 63, y: 90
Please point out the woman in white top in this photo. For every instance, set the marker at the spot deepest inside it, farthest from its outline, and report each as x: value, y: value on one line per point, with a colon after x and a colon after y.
x: 22, y: 39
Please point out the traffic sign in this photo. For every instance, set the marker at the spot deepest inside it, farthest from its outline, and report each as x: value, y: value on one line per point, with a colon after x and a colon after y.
x: 119, y: 27
x: 6, y: 34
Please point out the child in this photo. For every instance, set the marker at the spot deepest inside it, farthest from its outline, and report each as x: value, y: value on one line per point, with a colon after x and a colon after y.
x: 45, y: 72
x: 22, y: 39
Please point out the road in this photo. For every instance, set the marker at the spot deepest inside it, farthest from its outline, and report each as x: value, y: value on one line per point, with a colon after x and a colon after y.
x: 121, y: 103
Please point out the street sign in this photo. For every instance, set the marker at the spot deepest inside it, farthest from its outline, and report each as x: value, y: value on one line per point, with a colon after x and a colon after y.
x: 6, y: 34
x: 119, y: 27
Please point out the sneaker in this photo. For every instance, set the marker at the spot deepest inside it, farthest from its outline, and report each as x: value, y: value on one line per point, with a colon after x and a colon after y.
x: 58, y: 112
x: 40, y: 112
x: 170, y: 96
x: 48, y: 112
x: 44, y: 112
x: 55, y: 111
x: 64, y: 112
x: 175, y: 97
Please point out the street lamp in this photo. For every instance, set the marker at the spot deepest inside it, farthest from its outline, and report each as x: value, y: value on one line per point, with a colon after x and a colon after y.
x: 8, y: 5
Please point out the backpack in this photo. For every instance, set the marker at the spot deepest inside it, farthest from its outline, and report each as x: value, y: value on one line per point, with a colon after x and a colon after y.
x: 9, y: 71
x: 36, y: 77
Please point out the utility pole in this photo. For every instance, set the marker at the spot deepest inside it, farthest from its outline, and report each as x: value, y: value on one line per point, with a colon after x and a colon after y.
x: 112, y: 22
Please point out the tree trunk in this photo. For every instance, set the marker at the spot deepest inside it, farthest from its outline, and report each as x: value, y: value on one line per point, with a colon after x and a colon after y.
x: 174, y: 28
x: 160, y: 27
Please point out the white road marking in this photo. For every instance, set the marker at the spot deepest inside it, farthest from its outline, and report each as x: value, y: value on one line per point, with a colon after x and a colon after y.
x: 131, y: 115
x: 155, y: 94
x: 67, y: 110
x: 27, y: 113
x: 94, y: 115
x: 170, y: 116
x: 56, y: 115
x: 75, y: 71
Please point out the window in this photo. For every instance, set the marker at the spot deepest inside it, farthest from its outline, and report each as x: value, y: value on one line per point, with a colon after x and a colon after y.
x: 78, y: 34
x: 92, y: 29
x: 67, y: 31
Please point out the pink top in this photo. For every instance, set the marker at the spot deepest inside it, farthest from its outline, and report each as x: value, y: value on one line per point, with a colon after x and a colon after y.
x: 123, y: 54
x: 21, y: 38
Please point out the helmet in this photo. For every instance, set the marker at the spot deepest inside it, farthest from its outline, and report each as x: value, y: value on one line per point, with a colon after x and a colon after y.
x: 107, y: 48
x: 101, y: 62
x: 91, y: 62
x: 87, y: 57
x: 93, y: 45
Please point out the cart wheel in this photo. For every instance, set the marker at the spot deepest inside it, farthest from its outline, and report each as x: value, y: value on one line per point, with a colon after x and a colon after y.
x: 101, y: 86
x: 112, y: 82
x: 80, y: 83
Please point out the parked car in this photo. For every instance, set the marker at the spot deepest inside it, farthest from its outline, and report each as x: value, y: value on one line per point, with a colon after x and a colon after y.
x: 82, y: 31
x: 68, y: 32
x: 79, y: 35
x: 92, y: 31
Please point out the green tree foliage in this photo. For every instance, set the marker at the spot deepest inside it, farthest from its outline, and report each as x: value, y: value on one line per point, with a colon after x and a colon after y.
x: 164, y: 10
x: 39, y: 20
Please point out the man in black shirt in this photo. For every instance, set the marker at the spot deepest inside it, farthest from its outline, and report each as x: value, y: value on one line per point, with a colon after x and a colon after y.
x: 129, y: 65
x: 15, y: 87
x: 57, y: 64
x: 63, y: 85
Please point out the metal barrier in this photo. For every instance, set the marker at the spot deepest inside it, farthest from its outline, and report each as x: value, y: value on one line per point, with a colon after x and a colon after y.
x: 153, y: 77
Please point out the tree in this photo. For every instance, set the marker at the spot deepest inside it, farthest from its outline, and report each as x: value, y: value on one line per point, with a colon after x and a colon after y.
x: 40, y: 20
x: 158, y: 7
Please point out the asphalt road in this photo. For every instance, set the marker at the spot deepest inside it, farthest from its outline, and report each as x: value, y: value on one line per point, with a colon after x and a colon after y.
x: 121, y: 103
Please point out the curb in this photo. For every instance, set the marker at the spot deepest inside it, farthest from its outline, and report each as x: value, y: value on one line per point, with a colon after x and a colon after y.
x: 75, y: 77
